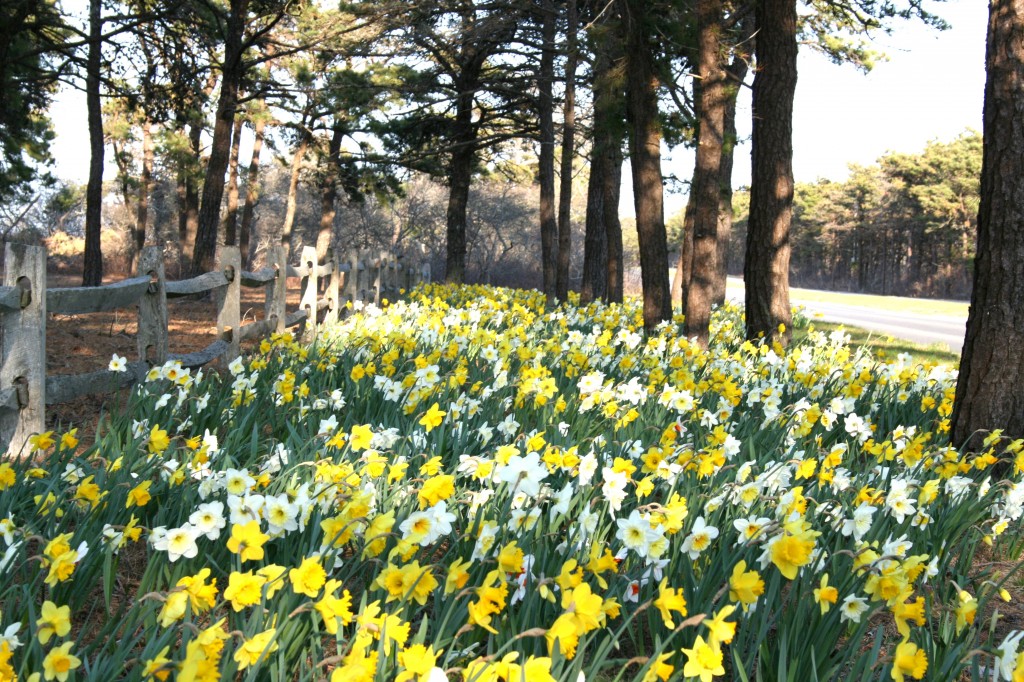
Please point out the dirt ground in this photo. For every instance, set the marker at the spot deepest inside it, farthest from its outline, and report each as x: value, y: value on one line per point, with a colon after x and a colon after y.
x: 76, y: 344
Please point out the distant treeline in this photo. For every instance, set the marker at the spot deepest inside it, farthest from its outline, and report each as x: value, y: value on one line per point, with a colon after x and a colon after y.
x: 903, y: 226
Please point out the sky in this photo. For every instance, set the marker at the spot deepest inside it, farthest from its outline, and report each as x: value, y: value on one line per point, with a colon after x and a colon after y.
x: 931, y: 88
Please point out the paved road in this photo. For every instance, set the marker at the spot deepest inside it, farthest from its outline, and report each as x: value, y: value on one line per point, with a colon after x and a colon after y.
x: 919, y: 328
x: 914, y: 327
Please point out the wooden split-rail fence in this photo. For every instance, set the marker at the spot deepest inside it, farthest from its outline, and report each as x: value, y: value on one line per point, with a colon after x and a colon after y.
x: 25, y: 301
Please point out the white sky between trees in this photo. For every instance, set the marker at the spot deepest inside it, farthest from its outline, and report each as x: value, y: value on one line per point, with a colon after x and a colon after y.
x: 931, y: 88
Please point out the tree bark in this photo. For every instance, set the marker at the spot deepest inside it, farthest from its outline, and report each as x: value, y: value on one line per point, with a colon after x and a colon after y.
x: 329, y: 192
x: 195, y: 133
x: 645, y: 163
x: 766, y: 266
x: 92, y: 266
x: 252, y: 190
x: 595, y: 240
x: 220, y: 149
x: 613, y: 227
x: 180, y: 192
x: 231, y: 216
x: 145, y: 184
x: 568, y: 154
x: 990, y: 388
x: 291, y: 206
x: 460, y: 172
x: 706, y: 189
x: 737, y: 74
x: 546, y: 156
x: 602, y: 247
x: 684, y: 264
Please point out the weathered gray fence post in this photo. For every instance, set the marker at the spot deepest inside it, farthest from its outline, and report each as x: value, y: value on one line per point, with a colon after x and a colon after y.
x: 229, y: 316
x: 392, y: 278
x: 333, y: 292
x: 376, y: 281
x: 369, y: 275
x: 360, y: 276
x: 23, y: 334
x: 399, y: 274
x: 352, y: 278
x: 310, y: 291
x: 152, y: 334
x: 277, y: 291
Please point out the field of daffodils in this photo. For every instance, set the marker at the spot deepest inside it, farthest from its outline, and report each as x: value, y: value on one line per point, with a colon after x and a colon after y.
x: 467, y: 486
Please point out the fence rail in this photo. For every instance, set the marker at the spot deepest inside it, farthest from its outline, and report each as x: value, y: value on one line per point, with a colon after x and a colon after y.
x: 25, y: 301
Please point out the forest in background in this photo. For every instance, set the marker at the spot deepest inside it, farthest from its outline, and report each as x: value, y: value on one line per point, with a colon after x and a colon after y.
x: 904, y: 226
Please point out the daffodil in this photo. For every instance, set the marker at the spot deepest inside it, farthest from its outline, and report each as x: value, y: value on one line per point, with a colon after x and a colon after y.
x: 432, y: 418
x: 53, y: 620
x: 59, y: 663
x: 909, y: 660
x: 669, y: 599
x: 418, y: 662
x: 247, y: 541
x: 309, y: 577
x: 256, y: 648
x: 244, y: 589
x: 703, y: 661
x: 825, y: 595
x: 745, y: 586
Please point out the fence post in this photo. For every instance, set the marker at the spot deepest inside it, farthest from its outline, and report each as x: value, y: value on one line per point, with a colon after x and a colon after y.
x: 351, y: 290
x: 277, y: 290
x: 310, y: 291
x: 24, y: 347
x: 379, y: 259
x: 388, y: 279
x: 361, y: 274
x: 399, y: 273
x: 369, y: 276
x: 152, y: 334
x: 229, y: 315
x: 392, y: 285
x: 333, y: 292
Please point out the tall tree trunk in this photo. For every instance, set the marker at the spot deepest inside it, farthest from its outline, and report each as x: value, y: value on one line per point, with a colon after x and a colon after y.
x: 231, y: 217
x: 602, y: 247
x: 990, y: 388
x: 684, y: 264
x: 180, y: 191
x: 734, y: 82
x: 568, y: 154
x: 460, y: 172
x: 766, y: 266
x: 191, y: 225
x: 645, y: 163
x: 220, y: 149
x: 329, y: 191
x: 145, y: 183
x: 291, y: 206
x: 706, y: 189
x: 613, y: 227
x: 92, y: 266
x: 252, y: 190
x: 595, y: 240
x: 546, y: 157
x: 124, y: 161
